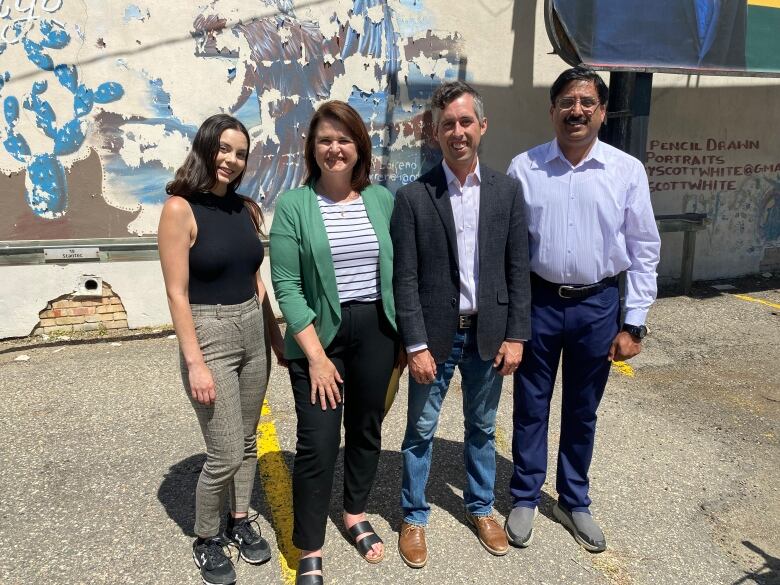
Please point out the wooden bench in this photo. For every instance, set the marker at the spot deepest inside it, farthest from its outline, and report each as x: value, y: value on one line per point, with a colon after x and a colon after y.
x: 689, y: 224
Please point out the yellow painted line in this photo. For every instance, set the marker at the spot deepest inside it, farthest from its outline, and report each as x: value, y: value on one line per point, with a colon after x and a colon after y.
x: 767, y: 3
x: 755, y: 300
x: 624, y: 368
x: 277, y: 486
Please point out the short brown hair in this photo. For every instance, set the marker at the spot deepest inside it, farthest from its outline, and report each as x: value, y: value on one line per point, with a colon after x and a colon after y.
x: 344, y: 114
x: 448, y: 92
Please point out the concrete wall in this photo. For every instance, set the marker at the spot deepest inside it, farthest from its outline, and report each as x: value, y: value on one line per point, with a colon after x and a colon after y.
x: 139, y: 77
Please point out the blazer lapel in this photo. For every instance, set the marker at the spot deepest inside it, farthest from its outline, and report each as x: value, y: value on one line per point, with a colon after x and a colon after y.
x: 693, y: 22
x: 709, y: 37
x: 320, y: 248
x: 441, y: 201
x: 486, y: 208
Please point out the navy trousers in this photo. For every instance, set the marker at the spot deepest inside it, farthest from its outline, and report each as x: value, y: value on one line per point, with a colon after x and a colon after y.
x: 580, y: 330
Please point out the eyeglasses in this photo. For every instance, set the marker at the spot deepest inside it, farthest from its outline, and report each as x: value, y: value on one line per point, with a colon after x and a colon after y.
x: 587, y: 104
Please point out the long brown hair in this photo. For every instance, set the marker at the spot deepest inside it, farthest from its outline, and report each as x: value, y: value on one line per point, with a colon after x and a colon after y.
x: 199, y: 170
x: 345, y: 114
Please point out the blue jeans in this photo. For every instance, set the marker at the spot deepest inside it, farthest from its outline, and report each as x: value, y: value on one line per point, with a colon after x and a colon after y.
x: 481, y: 392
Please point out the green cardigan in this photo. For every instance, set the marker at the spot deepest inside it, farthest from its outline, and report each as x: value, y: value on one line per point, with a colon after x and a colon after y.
x: 302, y: 272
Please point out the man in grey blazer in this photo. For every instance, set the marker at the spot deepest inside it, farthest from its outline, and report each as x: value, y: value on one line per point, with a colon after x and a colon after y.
x: 462, y: 295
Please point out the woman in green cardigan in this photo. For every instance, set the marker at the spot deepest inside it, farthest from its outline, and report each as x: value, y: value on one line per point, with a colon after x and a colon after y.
x: 331, y: 266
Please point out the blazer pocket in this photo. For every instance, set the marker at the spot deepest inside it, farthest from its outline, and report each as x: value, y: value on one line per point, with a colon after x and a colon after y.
x: 503, y: 297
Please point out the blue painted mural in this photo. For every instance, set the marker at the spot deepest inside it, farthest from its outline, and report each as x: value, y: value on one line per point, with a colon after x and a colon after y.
x: 270, y: 63
x: 47, y: 189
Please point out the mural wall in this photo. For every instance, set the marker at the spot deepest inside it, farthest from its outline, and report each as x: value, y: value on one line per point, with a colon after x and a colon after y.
x: 100, y: 100
x: 711, y: 150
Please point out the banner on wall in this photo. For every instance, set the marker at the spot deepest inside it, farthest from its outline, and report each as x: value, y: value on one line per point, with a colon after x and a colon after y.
x: 725, y: 37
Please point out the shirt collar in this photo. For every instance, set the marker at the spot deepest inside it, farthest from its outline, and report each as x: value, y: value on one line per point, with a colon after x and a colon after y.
x: 596, y: 153
x: 450, y: 176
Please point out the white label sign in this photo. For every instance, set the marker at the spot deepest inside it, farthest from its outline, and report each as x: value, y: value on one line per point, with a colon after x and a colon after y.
x: 70, y: 254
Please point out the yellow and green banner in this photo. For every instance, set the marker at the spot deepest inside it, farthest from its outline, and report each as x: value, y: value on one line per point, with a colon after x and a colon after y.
x: 762, y: 49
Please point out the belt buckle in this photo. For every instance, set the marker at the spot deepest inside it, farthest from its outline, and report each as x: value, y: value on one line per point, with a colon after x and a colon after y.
x: 566, y: 288
x: 464, y: 321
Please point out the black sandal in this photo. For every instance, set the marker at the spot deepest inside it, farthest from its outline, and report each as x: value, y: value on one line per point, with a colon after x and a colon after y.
x: 306, y: 565
x: 364, y: 545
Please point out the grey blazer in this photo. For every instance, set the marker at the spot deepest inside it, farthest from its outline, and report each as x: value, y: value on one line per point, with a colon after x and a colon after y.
x: 426, y: 281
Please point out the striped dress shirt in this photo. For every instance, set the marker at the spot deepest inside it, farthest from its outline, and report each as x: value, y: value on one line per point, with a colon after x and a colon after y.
x: 591, y: 221
x: 354, y: 249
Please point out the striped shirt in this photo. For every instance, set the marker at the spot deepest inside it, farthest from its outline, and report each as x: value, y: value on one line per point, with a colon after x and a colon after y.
x: 354, y: 248
x: 591, y: 221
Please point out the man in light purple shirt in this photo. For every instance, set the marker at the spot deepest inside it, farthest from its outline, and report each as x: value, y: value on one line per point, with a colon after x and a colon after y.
x: 589, y: 219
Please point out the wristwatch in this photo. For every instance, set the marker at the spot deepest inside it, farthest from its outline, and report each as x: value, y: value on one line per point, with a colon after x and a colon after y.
x: 638, y: 331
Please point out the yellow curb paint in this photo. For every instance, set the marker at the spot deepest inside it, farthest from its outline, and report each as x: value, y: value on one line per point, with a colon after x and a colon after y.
x: 277, y: 486
x: 623, y: 368
x: 767, y: 3
x: 752, y: 299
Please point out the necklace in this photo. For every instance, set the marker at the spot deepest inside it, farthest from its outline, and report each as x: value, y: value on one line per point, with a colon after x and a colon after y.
x: 347, y: 200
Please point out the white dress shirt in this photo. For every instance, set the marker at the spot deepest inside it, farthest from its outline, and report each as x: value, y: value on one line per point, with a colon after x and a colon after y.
x: 591, y: 221
x: 464, y: 200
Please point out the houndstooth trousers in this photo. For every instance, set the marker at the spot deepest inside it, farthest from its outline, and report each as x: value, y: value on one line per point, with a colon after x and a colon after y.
x: 236, y: 350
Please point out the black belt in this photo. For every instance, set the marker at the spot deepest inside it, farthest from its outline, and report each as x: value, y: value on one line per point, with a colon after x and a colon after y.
x: 467, y: 321
x: 574, y: 291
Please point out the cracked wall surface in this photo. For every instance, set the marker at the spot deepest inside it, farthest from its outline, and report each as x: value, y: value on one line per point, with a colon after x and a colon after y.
x: 129, y: 82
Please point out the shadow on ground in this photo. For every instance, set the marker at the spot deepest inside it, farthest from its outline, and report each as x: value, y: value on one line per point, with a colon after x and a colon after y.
x: 177, y: 493
x: 445, y: 485
x: 705, y: 289
x: 767, y: 574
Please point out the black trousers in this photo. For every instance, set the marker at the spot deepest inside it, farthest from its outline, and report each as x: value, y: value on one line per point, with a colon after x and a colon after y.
x: 363, y: 351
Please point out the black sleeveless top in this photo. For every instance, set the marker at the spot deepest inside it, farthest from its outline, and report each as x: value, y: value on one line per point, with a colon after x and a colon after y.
x: 227, y: 252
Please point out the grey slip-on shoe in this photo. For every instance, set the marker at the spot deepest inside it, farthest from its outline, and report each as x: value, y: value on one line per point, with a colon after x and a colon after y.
x: 583, y: 528
x: 519, y: 526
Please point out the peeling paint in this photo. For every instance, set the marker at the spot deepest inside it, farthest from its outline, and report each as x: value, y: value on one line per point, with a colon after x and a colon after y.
x: 270, y: 63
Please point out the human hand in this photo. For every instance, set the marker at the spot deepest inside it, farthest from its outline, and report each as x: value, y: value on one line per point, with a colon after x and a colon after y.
x: 325, y: 380
x: 422, y: 367
x: 509, y: 356
x: 202, y: 384
x: 624, y: 347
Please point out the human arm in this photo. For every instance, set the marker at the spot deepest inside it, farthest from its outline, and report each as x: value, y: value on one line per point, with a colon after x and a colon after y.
x: 518, y: 327
x: 409, y: 315
x: 643, y: 246
x: 175, y: 235
x: 286, y: 277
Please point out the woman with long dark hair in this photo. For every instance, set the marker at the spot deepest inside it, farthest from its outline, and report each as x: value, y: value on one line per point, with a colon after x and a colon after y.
x: 210, y: 252
x: 331, y: 266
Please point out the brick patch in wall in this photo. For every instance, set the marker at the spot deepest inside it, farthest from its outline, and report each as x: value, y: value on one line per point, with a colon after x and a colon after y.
x: 69, y: 313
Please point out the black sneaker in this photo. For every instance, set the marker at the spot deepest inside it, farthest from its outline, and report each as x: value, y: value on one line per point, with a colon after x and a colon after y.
x: 215, y: 567
x: 252, y: 547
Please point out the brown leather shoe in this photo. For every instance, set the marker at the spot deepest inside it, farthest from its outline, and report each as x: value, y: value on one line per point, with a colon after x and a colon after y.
x: 411, y: 545
x: 490, y: 534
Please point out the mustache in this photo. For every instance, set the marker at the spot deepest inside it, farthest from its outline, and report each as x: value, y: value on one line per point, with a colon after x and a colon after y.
x: 576, y: 119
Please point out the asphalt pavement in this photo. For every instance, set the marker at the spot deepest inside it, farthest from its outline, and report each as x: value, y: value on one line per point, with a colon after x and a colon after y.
x: 101, y: 453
